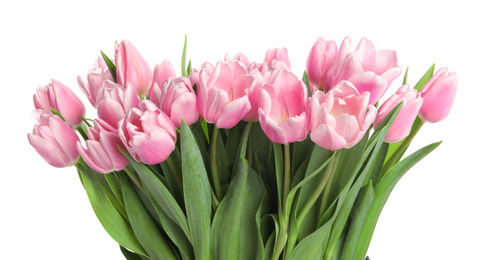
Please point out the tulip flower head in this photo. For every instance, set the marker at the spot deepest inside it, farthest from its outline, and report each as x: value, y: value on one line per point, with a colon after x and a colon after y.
x: 95, y: 79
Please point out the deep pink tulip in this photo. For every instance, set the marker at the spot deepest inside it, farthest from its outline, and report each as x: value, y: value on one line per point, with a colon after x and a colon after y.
x: 319, y: 61
x: 367, y: 69
x: 340, y: 117
x: 102, y: 153
x: 95, y: 79
x: 279, y: 54
x: 177, y: 99
x: 148, y: 134
x: 59, y: 97
x: 412, y: 101
x: 132, y: 68
x: 115, y: 101
x: 162, y: 72
x: 223, y: 98
x: 282, y: 108
x: 438, y: 95
x: 55, y: 141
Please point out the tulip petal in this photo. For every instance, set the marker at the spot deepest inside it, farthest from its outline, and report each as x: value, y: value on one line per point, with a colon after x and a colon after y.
x: 233, y: 112
x: 326, y: 137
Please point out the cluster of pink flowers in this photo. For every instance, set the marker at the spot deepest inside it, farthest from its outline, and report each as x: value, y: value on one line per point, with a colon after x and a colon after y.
x: 142, y: 109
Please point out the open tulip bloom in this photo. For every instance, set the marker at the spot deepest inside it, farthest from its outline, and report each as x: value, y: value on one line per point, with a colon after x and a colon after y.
x: 241, y: 160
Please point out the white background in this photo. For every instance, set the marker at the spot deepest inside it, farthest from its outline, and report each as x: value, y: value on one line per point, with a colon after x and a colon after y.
x: 433, y: 213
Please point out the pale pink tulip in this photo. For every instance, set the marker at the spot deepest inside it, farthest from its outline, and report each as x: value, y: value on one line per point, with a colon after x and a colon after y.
x: 278, y: 54
x: 438, y: 95
x: 319, y: 61
x: 239, y: 57
x: 115, y: 101
x: 132, y: 68
x: 412, y: 101
x: 95, y: 79
x: 282, y: 106
x: 162, y: 72
x: 55, y: 141
x: 340, y: 117
x: 223, y: 97
x: 148, y: 134
x: 102, y: 153
x: 207, y: 69
x: 367, y: 69
x: 61, y: 98
x: 177, y: 99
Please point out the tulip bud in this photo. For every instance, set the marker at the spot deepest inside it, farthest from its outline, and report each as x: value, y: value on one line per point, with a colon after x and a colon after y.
x: 148, y: 134
x: 115, y: 101
x: 61, y: 98
x: 438, y: 95
x: 400, y: 128
x: 319, y: 61
x: 95, y: 79
x: 132, y: 68
x: 278, y: 54
x: 55, y: 141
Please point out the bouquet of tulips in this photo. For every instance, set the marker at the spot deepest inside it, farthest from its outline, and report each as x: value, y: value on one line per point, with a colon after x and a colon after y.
x: 240, y: 159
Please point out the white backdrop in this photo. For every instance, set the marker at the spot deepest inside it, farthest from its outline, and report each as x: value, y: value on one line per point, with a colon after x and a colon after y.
x: 433, y: 213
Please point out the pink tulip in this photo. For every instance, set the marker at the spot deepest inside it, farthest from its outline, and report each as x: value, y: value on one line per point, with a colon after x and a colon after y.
x: 279, y: 54
x: 115, y: 101
x: 319, y: 61
x: 340, y: 117
x: 162, y: 72
x: 177, y: 99
x: 282, y: 106
x: 223, y: 97
x: 55, y: 141
x: 207, y: 67
x: 239, y: 57
x: 438, y: 95
x: 132, y: 68
x: 95, y: 79
x: 148, y: 134
x: 102, y: 153
x: 61, y: 98
x: 412, y: 101
x: 367, y: 69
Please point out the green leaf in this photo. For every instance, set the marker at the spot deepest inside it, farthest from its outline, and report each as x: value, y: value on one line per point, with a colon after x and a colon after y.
x: 113, y: 222
x: 189, y: 68
x: 382, y: 192
x: 405, y: 78
x: 204, y: 125
x: 129, y: 255
x: 111, y: 66
x: 307, y: 82
x: 425, y: 78
x: 242, y: 148
x: 143, y: 225
x: 160, y: 193
x: 197, y: 194
x: 184, y: 56
x: 234, y: 229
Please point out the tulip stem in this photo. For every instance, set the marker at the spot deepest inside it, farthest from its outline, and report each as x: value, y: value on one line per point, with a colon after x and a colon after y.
x: 213, y: 157
x: 286, y: 175
x: 397, y: 155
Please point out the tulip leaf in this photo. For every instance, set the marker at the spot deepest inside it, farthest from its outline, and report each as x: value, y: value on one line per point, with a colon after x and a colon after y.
x: 160, y: 193
x: 425, y: 78
x: 306, y: 81
x: 242, y: 148
x: 111, y: 67
x: 234, y: 228
x: 184, y: 57
x: 405, y: 77
x: 204, y: 125
x: 143, y: 225
x: 382, y: 192
x: 129, y: 255
x: 189, y: 68
x: 113, y: 222
x: 197, y: 193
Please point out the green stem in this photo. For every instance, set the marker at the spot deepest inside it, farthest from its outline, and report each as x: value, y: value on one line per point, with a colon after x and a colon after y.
x: 402, y: 149
x: 328, y: 187
x: 213, y: 156
x: 134, y: 177
x: 282, y: 238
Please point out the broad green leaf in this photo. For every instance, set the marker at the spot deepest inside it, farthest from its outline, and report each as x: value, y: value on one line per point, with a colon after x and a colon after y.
x: 114, y: 185
x: 359, y: 212
x: 184, y: 56
x: 129, y: 255
x: 382, y: 192
x: 160, y: 193
x: 197, y: 193
x: 234, y: 229
x: 116, y: 226
x: 111, y: 66
x: 301, y: 151
x: 204, y: 125
x: 425, y: 78
x: 143, y: 225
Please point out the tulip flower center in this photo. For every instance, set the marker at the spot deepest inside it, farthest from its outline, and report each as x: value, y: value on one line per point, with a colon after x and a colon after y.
x: 284, y: 116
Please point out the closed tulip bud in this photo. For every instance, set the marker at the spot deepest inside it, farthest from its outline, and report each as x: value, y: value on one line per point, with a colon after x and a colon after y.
x: 102, y: 153
x: 162, y: 72
x: 95, y: 79
x: 132, y: 68
x: 282, y: 108
x: 61, y: 98
x: 223, y: 98
x: 177, y: 99
x: 319, y: 61
x: 148, y: 134
x: 400, y: 128
x: 340, y: 118
x: 55, y: 141
x: 438, y: 95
